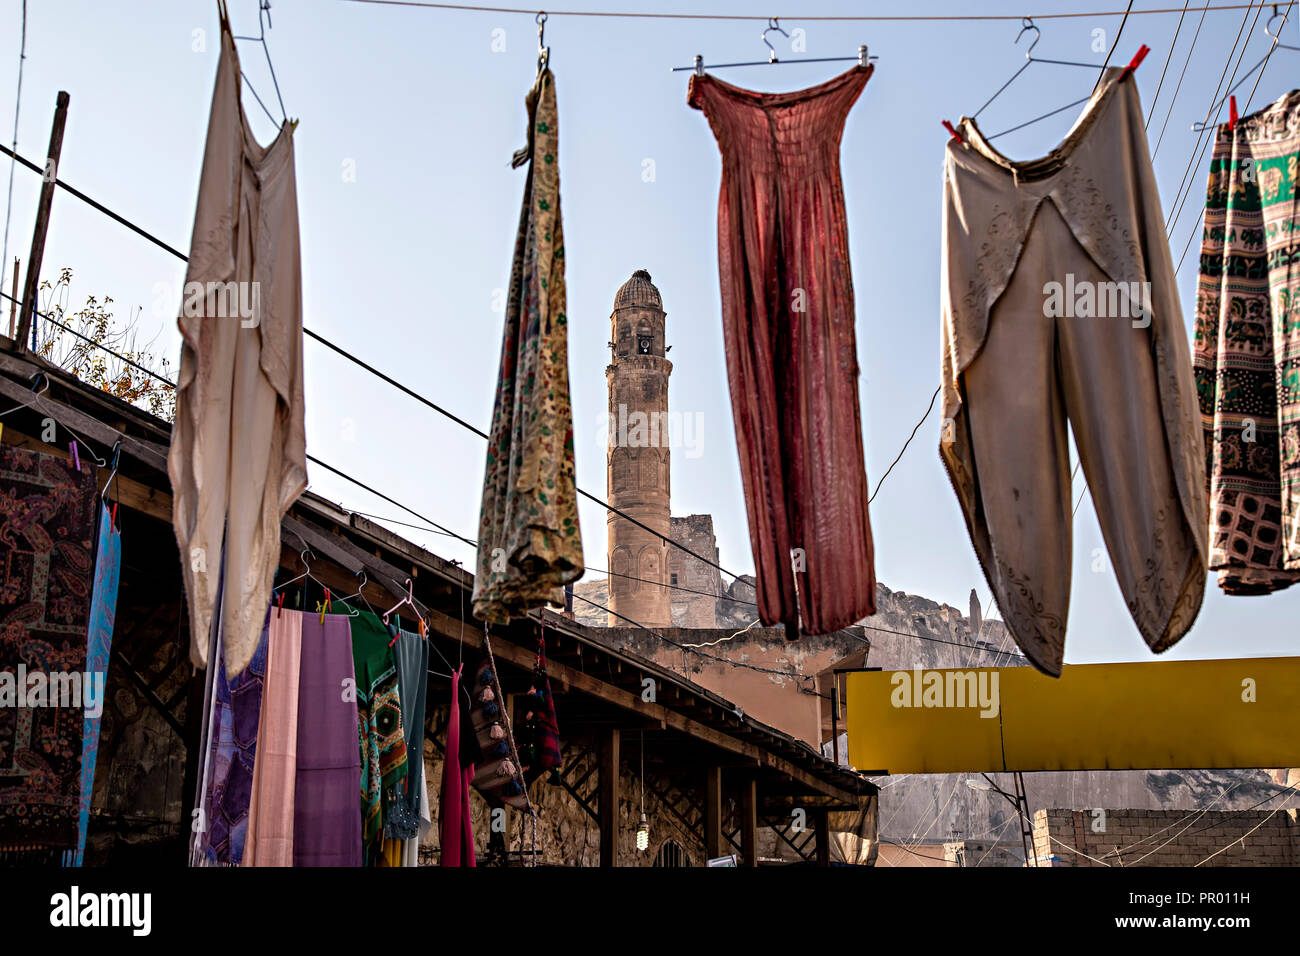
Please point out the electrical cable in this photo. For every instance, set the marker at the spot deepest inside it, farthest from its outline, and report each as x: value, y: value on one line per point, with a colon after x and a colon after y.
x: 1165, y: 69
x: 1188, y: 59
x: 18, y: 101
x: 915, y: 18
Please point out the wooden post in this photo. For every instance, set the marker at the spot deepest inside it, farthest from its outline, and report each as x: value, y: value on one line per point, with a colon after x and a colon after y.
x: 609, y: 794
x: 713, y: 841
x: 13, y: 301
x: 749, y: 821
x: 822, y: 823
x: 42, y: 219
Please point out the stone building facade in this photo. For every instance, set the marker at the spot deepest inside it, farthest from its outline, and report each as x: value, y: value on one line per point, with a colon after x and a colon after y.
x: 638, y: 456
x: 698, y: 606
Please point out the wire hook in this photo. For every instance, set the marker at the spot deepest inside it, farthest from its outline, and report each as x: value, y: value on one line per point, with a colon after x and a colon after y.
x: 773, y: 23
x: 543, y: 51
x: 1027, y: 23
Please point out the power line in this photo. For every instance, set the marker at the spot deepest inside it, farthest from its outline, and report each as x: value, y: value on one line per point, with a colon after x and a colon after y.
x: 1263, y: 65
x: 905, y: 444
x: 1118, y: 33
x: 1188, y: 59
x: 1185, y: 183
x: 371, y: 369
x: 917, y: 18
x: 18, y: 100
x: 1165, y: 69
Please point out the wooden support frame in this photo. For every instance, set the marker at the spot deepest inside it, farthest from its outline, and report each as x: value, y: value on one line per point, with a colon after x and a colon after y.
x: 713, y: 845
x: 822, y: 827
x: 609, y: 796
x: 749, y: 822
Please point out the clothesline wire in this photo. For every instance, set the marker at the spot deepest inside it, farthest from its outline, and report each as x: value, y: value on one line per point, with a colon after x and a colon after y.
x: 1165, y: 69
x: 903, y: 450
x: 1118, y: 33
x: 1258, y: 76
x: 898, y: 18
x: 1169, y: 111
x: 1186, y: 182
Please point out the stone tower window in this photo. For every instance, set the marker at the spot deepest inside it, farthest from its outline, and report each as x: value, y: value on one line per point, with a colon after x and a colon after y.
x: 643, y: 343
x: 622, y: 468
x: 650, y: 470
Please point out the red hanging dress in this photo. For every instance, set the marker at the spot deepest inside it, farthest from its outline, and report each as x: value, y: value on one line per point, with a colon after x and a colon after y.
x: 792, y: 367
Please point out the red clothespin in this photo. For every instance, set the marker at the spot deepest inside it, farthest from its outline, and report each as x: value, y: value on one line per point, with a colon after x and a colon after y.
x: 1232, y: 113
x: 280, y: 612
x: 953, y: 130
x: 1134, y: 63
x: 76, y: 459
x: 112, y: 520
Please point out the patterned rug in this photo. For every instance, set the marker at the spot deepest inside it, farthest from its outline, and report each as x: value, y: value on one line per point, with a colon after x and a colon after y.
x: 47, y: 514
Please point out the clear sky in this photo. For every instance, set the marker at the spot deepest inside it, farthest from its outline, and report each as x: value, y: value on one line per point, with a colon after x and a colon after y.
x: 404, y: 261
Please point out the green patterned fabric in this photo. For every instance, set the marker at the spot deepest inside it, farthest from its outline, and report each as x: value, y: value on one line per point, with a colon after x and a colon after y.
x: 380, y: 733
x: 529, y: 544
x: 1247, y: 355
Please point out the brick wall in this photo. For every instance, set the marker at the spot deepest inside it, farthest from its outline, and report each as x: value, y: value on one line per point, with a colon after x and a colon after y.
x: 1167, y: 837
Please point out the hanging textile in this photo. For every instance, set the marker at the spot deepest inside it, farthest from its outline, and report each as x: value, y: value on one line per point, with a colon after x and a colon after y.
x: 402, y: 819
x: 455, y: 826
x: 529, y: 542
x: 411, y: 847
x: 379, y: 726
x: 103, y: 609
x: 236, y: 714
x: 1104, y: 347
x: 495, y: 774
x: 1247, y: 350
x: 326, y: 813
x: 238, y: 452
x: 47, y: 520
x: 792, y: 363
x: 270, y: 813
x: 539, y: 746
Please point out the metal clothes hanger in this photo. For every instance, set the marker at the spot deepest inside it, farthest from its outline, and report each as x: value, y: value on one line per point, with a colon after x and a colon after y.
x: 344, y: 600
x: 77, y: 440
x: 263, y: 8
x: 1026, y: 24
x: 1201, y: 126
x: 543, y: 51
x: 774, y: 23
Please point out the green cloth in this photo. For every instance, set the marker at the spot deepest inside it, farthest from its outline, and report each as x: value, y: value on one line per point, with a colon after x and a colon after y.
x: 379, y: 724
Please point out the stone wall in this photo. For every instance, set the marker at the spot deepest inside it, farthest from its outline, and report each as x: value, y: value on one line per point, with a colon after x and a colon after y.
x: 691, y: 609
x: 1167, y: 837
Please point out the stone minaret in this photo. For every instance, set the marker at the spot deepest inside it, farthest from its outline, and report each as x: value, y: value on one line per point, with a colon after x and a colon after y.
x: 638, y: 471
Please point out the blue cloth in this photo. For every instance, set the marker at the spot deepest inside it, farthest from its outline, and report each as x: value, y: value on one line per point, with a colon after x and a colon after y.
x: 99, y: 640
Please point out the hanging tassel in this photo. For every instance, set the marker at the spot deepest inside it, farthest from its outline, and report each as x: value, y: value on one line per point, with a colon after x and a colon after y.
x: 487, y: 695
x: 507, y: 769
x: 496, y: 733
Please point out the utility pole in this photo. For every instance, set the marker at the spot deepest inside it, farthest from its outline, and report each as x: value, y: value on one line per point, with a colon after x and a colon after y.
x: 48, y: 178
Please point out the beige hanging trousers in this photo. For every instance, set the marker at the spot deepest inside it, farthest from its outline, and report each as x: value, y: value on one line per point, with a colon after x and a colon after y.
x: 1061, y: 307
